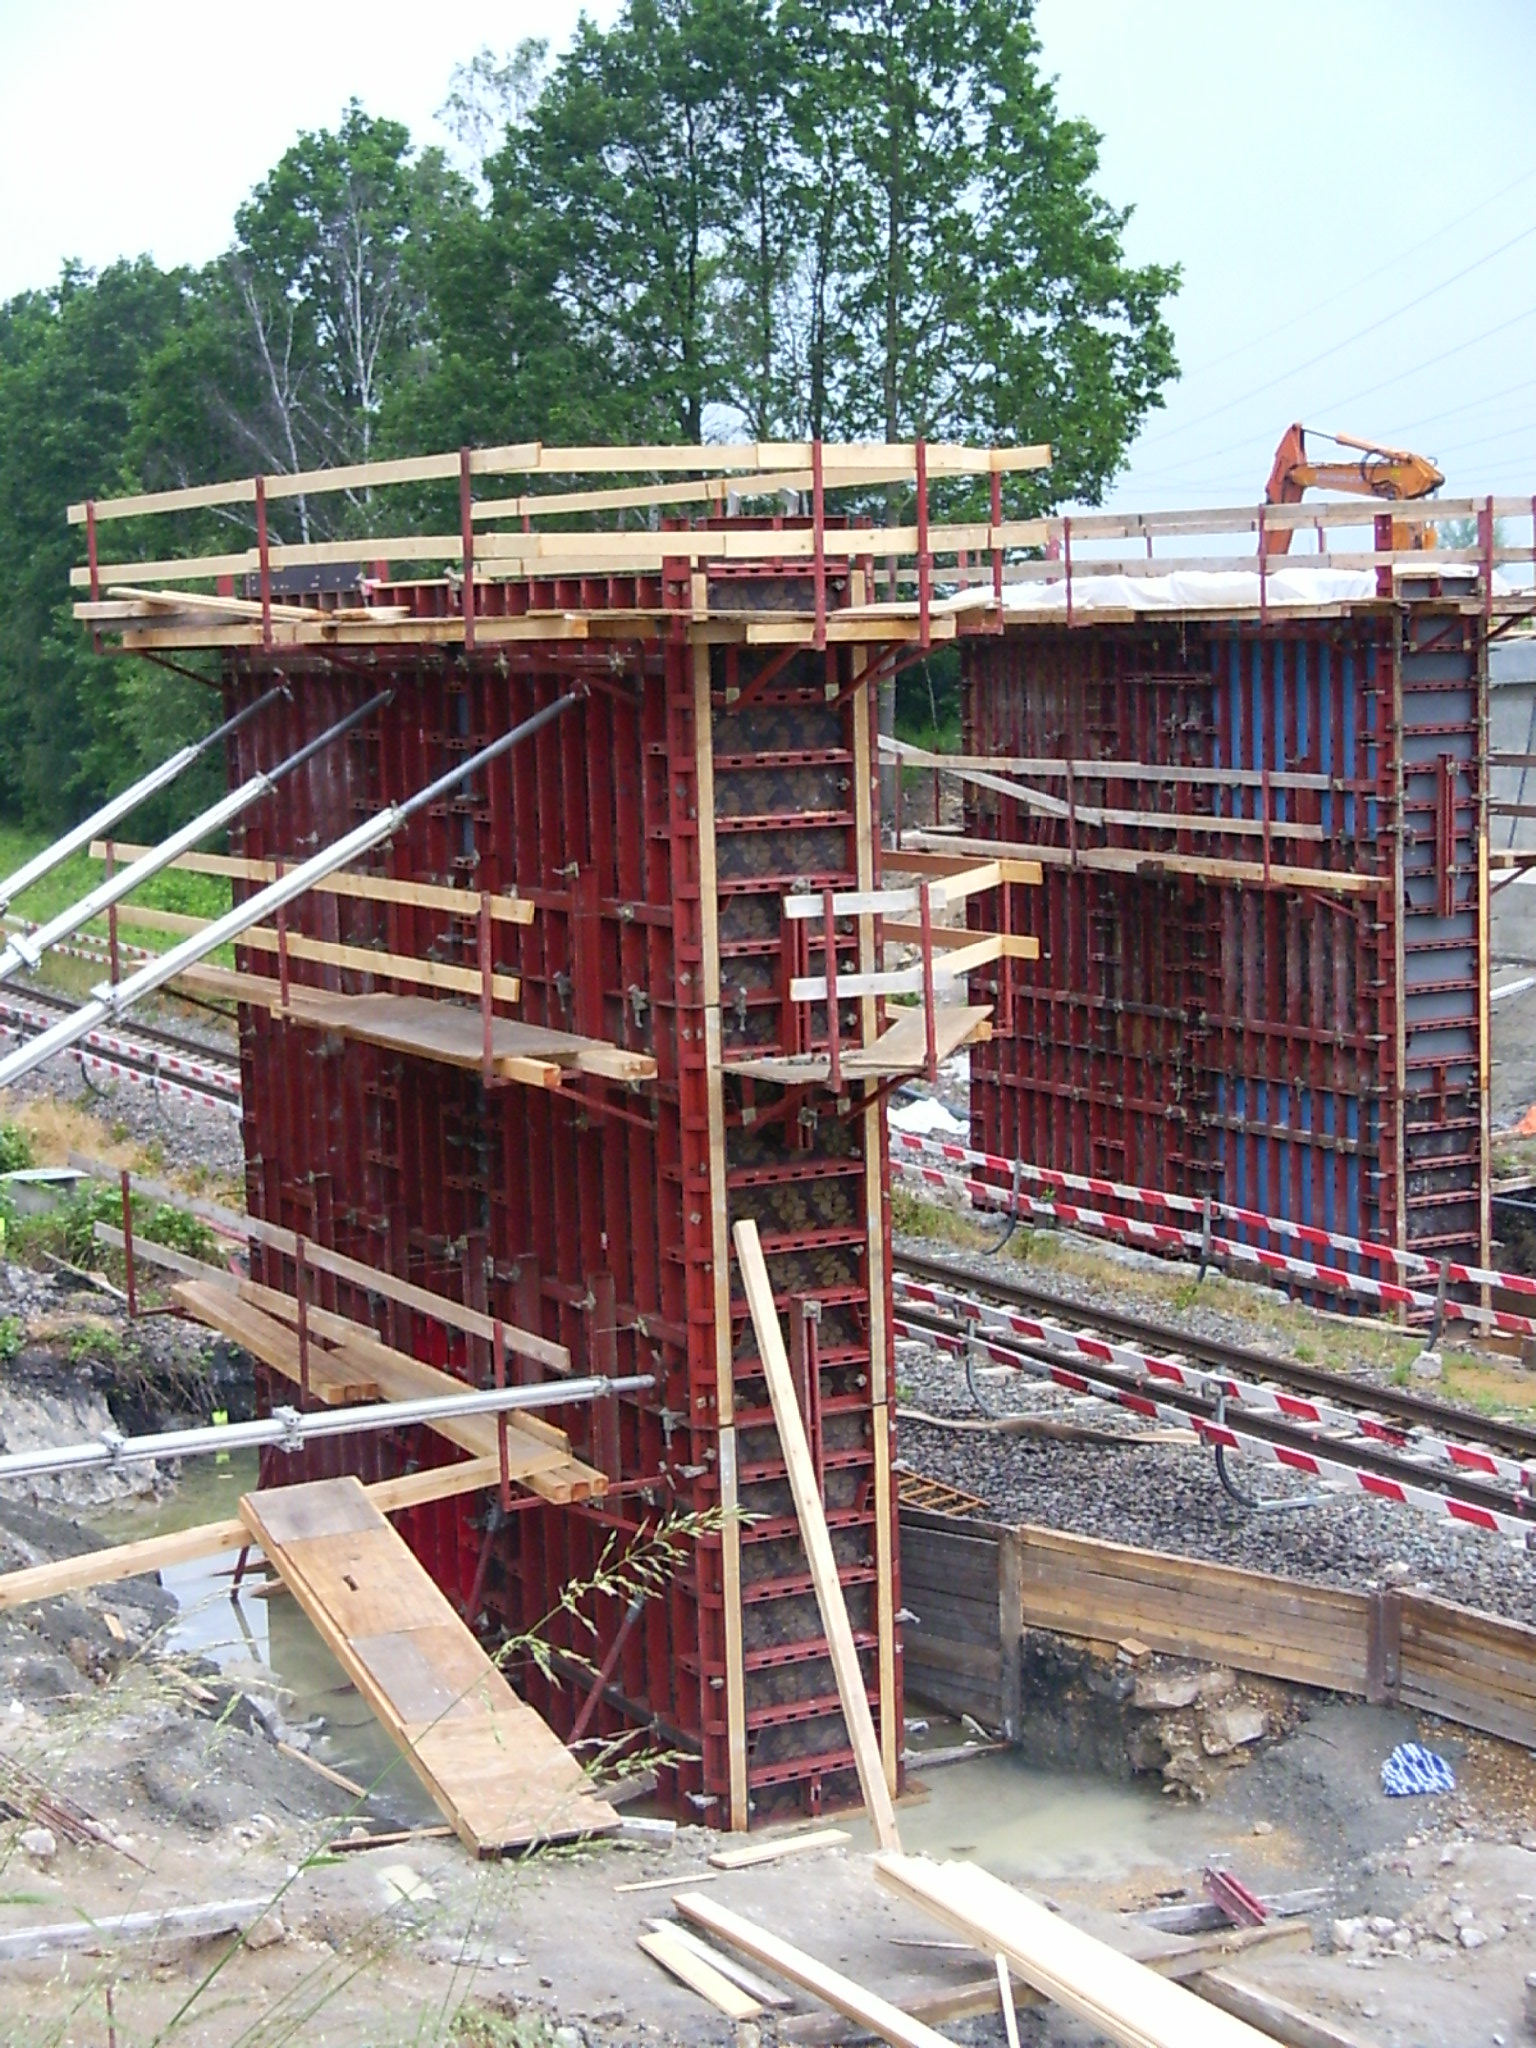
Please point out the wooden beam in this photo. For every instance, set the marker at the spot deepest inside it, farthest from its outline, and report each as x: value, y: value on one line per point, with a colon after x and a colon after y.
x: 371, y: 1279
x: 181, y: 1546
x: 720, y: 1258
x: 1275, y: 2017
x: 813, y: 1529
x: 776, y: 1848
x: 1134, y: 861
x: 464, y: 981
x: 373, y: 888
x: 1123, y: 1999
x: 534, y: 459
x: 663, y: 1945
x: 823, y: 1982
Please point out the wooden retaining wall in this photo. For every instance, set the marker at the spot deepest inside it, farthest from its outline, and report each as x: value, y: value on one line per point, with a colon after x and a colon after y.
x: 972, y: 1588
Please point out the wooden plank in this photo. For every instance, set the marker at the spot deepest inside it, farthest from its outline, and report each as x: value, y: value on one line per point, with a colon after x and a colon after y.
x: 371, y: 888
x: 506, y: 988
x: 775, y: 1850
x: 542, y: 1467
x: 424, y: 1028
x: 1132, y: 861
x: 1276, y: 2017
x: 829, y: 1985
x: 181, y: 1546
x: 498, y: 1775
x: 1124, y: 1999
x: 813, y: 1530
x: 720, y: 1261
x: 663, y: 1944
x: 370, y: 1279
x: 903, y: 1047
x: 332, y: 1381
x: 728, y: 1965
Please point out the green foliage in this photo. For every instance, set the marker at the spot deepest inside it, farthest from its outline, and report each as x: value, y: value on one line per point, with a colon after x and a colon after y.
x: 714, y: 217
x: 15, y: 1149
x: 13, y: 1335
x: 160, y: 1224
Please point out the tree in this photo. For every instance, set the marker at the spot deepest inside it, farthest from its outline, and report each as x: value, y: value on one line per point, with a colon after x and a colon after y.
x: 71, y: 364
x: 306, y: 330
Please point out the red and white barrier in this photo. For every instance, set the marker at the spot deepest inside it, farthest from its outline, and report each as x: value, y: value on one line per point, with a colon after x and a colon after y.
x: 169, y: 1075
x: 1414, y: 1263
x: 1300, y: 1408
x: 1169, y: 1237
x: 1224, y: 1435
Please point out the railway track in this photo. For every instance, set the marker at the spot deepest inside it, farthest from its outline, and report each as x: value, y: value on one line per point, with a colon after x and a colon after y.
x: 172, y: 1067
x: 1388, y: 1442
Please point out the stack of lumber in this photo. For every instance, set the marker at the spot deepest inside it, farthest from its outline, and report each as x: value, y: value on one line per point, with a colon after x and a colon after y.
x: 350, y: 1362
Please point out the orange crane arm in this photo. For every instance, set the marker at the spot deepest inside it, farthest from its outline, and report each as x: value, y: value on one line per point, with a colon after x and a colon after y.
x: 1391, y: 473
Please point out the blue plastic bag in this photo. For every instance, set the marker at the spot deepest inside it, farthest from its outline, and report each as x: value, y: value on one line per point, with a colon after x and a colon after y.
x: 1412, y: 1769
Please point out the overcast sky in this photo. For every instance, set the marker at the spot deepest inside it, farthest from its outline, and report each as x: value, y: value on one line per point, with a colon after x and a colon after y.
x: 1350, y: 186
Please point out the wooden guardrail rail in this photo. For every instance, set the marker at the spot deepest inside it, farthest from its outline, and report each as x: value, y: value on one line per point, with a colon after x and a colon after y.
x: 976, y: 1587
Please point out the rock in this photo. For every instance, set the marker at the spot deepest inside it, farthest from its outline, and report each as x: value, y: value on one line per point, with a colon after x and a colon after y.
x: 1428, y: 1366
x: 1164, y: 1692
x: 1472, y: 1937
x: 267, y: 1932
x: 1463, y: 1913
x: 39, y: 1844
x: 568, y: 2037
x: 1263, y: 1827
x: 1228, y: 1728
x: 1401, y: 1941
x: 1382, y: 1927
x: 1215, y: 1684
x: 1349, y: 1934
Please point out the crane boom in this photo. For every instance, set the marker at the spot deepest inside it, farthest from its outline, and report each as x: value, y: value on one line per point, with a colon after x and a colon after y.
x: 1394, y: 474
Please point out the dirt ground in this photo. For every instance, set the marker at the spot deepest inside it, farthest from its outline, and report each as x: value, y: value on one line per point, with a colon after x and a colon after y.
x: 1424, y: 1942
x: 418, y: 1943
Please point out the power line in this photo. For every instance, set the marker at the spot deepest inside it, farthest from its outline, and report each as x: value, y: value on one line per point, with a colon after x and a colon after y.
x: 1380, y: 383
x: 1295, y: 369
x: 1355, y: 284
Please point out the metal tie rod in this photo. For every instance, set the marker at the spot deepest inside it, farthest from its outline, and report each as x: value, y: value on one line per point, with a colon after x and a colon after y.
x: 119, y: 806
x: 113, y: 999
x: 27, y: 950
x: 290, y: 1429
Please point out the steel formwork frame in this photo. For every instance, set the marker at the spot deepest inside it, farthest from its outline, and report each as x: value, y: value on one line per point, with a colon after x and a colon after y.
x: 656, y: 831
x: 1313, y: 1054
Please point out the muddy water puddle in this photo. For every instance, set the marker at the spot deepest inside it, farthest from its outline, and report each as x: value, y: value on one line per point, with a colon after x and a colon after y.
x: 268, y: 1644
x: 1030, y: 1825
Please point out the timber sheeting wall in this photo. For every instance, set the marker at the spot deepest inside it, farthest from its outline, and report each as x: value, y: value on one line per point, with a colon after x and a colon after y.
x: 975, y: 1588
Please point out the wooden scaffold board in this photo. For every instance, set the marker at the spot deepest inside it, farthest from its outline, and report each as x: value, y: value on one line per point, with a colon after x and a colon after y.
x: 498, y: 1774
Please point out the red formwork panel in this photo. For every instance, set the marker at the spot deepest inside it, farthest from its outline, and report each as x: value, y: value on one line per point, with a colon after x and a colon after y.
x: 588, y: 1212
x: 1315, y: 1056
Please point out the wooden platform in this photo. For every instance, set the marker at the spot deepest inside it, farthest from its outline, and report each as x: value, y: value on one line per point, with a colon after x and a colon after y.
x: 350, y: 1363
x: 454, y: 1034
x: 902, y: 1049
x: 498, y: 1774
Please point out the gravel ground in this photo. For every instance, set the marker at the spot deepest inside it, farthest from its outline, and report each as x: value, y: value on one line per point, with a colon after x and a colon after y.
x: 1168, y: 1497
x: 186, y: 1135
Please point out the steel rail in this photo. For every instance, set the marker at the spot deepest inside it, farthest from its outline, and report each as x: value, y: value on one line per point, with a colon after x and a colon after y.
x: 1308, y: 1445
x: 1417, y: 1411
x: 150, y: 1035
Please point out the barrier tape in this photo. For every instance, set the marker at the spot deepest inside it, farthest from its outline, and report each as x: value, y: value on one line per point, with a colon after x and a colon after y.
x: 1224, y: 1436
x: 97, y: 1052
x: 1414, y: 1442
x: 1193, y: 1205
x: 1169, y: 1237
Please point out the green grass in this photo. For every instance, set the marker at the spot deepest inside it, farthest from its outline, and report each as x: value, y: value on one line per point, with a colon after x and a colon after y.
x: 193, y: 895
